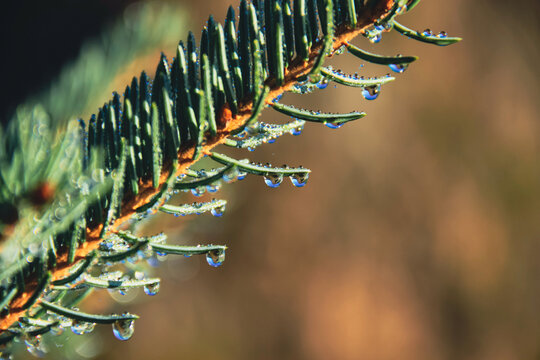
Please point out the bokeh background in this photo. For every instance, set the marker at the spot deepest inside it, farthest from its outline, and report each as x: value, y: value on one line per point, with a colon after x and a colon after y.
x: 417, y: 236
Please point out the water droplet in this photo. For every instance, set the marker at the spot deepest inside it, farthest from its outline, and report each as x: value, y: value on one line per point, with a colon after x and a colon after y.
x: 212, y: 188
x: 378, y: 27
x: 241, y: 175
x: 215, y: 257
x: 242, y: 135
x: 273, y: 180
x: 151, y: 289
x: 399, y: 68
x: 231, y: 175
x: 332, y: 125
x: 401, y: 9
x: 35, y: 346
x: 297, y: 130
x: 199, y: 191
x: 123, y: 329
x: 299, y: 179
x: 323, y: 84
x: 371, y: 92
x: 277, y: 98
x: 427, y: 32
x: 81, y: 327
x: 218, y: 211
x: 442, y: 35
x: 56, y: 330
x: 375, y: 38
x: 139, y: 275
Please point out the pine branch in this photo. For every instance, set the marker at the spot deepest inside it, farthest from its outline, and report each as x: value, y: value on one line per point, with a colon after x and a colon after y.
x: 205, y: 98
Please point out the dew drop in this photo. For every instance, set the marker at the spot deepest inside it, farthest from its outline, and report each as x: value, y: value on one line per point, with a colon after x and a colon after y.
x: 55, y: 330
x: 340, y: 50
x: 81, y: 327
x: 375, y: 38
x: 123, y: 329
x: 332, y: 125
x: 215, y: 258
x: 273, y: 180
x: 35, y: 346
x: 218, y: 211
x: 296, y: 131
x: 399, y: 68
x: 299, y: 179
x: 442, y: 35
x: 242, y: 135
x: 199, y: 191
x: 151, y: 289
x: 152, y: 261
x: 427, y: 32
x: 241, y: 175
x: 401, y: 9
x: 212, y: 188
x: 323, y: 84
x: 371, y: 92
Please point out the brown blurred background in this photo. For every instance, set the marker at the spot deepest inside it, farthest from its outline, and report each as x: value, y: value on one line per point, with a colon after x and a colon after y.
x: 417, y: 236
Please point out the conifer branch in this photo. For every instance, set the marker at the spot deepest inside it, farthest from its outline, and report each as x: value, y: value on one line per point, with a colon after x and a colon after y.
x: 149, y: 143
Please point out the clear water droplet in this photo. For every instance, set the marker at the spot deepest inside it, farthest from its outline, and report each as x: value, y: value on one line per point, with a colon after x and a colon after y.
x: 323, y: 84
x: 231, y: 175
x: 399, y: 68
x: 340, y: 50
x: 56, y: 331
x: 241, y: 175
x: 35, y: 346
x: 332, y: 125
x: 297, y: 131
x: 375, y: 38
x: 299, y: 179
x: 151, y: 289
x: 218, y: 211
x: 212, y: 188
x: 371, y: 92
x: 215, y: 258
x: 152, y: 261
x: 123, y: 329
x: 442, y: 35
x: 427, y: 32
x: 81, y: 327
x: 401, y: 9
x: 199, y: 191
x: 273, y: 180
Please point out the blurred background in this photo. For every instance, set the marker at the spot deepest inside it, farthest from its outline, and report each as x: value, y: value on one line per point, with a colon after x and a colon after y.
x: 417, y: 236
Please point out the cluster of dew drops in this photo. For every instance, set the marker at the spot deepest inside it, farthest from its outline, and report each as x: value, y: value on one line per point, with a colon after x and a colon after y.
x: 123, y: 329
